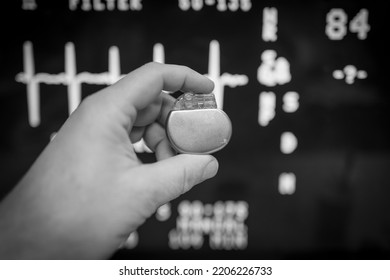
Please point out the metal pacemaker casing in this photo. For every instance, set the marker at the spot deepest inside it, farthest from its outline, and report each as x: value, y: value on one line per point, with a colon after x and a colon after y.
x: 198, y: 131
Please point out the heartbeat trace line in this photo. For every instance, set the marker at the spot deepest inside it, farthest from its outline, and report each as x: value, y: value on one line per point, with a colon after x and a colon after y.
x: 69, y: 78
x: 73, y: 81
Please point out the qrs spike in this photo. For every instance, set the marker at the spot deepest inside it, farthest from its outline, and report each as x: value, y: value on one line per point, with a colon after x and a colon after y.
x: 69, y: 78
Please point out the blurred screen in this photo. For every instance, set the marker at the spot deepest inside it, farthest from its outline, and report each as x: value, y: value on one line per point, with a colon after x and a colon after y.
x: 305, y: 174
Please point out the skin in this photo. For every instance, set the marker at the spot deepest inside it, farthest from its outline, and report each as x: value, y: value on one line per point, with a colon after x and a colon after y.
x: 88, y: 191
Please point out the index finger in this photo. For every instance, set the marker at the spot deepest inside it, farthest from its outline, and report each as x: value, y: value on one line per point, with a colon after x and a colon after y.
x: 142, y: 86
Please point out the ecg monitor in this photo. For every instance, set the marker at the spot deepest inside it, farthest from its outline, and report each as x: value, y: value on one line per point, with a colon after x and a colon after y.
x: 196, y: 126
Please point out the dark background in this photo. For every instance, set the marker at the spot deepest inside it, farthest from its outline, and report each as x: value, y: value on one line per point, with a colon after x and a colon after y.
x: 341, y: 205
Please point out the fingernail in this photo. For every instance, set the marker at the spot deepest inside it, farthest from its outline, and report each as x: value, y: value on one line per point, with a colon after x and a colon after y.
x: 210, y: 170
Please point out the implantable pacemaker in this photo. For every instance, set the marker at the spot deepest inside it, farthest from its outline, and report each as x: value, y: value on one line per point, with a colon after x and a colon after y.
x: 196, y: 126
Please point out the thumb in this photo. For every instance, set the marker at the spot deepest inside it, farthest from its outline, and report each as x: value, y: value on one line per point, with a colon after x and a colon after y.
x: 169, y: 178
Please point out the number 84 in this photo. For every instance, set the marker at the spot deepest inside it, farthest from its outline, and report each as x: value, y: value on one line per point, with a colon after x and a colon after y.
x: 336, y: 24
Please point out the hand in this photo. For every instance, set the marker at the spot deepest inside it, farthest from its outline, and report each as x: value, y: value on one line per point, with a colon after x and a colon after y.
x: 88, y: 191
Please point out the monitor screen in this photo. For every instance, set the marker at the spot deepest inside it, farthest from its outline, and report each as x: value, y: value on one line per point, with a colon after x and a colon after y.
x: 305, y: 174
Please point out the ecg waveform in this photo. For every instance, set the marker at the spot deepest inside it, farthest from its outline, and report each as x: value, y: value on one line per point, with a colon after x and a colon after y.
x: 69, y: 78
x: 73, y: 81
